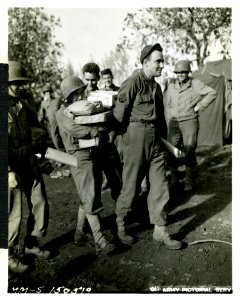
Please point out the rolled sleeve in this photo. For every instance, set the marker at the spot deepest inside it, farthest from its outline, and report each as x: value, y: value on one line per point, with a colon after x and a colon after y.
x: 208, y: 93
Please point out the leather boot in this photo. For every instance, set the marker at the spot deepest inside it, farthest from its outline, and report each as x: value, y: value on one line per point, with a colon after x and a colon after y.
x: 123, y: 236
x: 101, y: 242
x: 14, y: 263
x: 160, y: 235
x: 32, y: 247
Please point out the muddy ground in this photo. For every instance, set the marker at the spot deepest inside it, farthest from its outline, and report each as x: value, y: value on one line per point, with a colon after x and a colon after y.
x: 204, y: 214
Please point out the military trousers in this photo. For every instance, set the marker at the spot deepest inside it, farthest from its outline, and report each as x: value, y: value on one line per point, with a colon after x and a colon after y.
x: 88, y: 175
x: 38, y: 217
x: 184, y: 132
x: 143, y: 154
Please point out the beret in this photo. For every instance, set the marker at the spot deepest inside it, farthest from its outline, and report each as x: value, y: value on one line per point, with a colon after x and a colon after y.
x: 147, y: 50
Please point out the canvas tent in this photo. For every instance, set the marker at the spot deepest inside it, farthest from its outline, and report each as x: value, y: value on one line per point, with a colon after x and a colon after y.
x: 215, y: 121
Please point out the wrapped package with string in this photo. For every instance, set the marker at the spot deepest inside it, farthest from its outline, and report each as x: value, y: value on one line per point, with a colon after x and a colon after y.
x: 172, y: 149
x: 84, y: 112
x: 85, y: 108
x: 88, y: 113
x: 62, y: 157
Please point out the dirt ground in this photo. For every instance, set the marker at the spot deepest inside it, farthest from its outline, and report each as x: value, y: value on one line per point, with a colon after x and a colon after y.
x: 145, y: 267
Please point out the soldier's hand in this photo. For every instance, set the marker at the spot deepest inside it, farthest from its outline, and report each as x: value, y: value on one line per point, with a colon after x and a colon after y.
x: 112, y: 136
x: 13, y: 180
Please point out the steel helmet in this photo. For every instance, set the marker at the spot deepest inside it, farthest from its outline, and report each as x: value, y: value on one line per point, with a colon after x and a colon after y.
x: 70, y: 84
x: 182, y: 66
x: 16, y: 72
x: 47, y: 88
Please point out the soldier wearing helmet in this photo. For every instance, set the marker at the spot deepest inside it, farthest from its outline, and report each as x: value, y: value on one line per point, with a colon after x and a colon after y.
x: 47, y: 116
x: 18, y: 74
x: 183, y: 101
x: 24, y: 174
x: 92, y: 161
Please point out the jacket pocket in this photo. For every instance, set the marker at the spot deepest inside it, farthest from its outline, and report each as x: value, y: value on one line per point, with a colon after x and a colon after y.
x: 143, y: 104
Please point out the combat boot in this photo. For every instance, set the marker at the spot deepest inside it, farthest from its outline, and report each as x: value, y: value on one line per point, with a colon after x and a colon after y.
x: 101, y: 242
x: 32, y: 248
x: 160, y: 235
x: 122, y: 235
x: 38, y: 252
x: 14, y: 263
x: 104, y: 246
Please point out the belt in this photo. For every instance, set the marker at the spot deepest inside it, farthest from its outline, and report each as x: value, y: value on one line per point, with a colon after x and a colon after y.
x: 142, y: 124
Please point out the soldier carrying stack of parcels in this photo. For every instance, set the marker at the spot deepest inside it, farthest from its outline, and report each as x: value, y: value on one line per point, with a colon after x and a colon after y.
x: 92, y: 160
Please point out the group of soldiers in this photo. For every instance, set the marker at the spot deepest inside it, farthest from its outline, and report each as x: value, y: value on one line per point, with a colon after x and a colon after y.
x: 130, y: 150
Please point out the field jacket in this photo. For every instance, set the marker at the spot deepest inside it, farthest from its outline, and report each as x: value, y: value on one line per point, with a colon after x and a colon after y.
x: 21, y: 158
x: 140, y: 100
x: 179, y: 102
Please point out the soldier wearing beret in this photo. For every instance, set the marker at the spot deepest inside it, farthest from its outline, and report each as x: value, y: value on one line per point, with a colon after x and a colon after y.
x: 139, y: 112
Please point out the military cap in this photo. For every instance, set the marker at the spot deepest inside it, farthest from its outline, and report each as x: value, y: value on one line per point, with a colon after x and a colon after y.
x: 147, y: 50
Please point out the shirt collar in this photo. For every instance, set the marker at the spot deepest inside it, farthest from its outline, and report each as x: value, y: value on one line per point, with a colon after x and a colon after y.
x: 184, y: 86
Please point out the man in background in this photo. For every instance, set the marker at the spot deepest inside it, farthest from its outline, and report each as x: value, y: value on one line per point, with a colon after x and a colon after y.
x: 47, y: 116
x: 107, y: 78
x: 183, y: 100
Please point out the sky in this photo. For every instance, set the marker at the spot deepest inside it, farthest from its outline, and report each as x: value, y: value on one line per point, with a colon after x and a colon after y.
x: 89, y: 33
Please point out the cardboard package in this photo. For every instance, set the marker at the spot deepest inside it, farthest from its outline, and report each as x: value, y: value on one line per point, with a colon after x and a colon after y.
x: 108, y: 98
x: 85, y: 108
x: 61, y: 157
x: 83, y: 143
x: 97, y: 118
x: 172, y: 149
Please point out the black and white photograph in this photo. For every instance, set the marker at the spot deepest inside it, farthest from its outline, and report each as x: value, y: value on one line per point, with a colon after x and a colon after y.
x: 118, y: 148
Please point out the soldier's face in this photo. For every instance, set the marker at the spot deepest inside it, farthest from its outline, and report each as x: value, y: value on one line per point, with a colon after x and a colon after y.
x: 91, y: 80
x: 76, y: 95
x: 154, y: 63
x: 182, y: 76
x: 16, y: 88
x: 107, y: 79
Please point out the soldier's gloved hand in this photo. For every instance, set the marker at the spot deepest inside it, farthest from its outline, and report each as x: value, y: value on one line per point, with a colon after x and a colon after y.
x: 13, y: 180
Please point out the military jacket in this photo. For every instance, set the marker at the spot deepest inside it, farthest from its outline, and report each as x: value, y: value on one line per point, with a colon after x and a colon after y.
x: 140, y: 100
x: 179, y: 101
